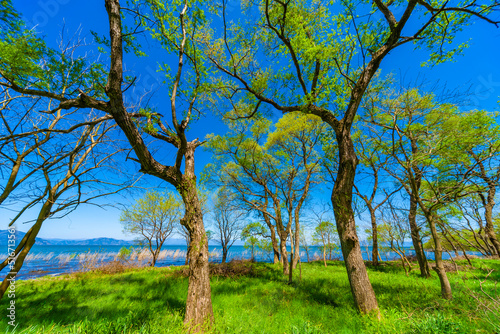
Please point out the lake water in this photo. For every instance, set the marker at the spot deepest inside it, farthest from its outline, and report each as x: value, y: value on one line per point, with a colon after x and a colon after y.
x: 55, y: 260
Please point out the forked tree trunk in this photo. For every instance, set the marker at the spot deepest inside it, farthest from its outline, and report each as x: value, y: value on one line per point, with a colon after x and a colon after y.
x: 412, y: 216
x: 438, y: 253
x: 488, y: 217
x: 199, y: 301
x: 274, y: 242
x: 284, y: 255
x: 153, y: 261
x: 276, y: 257
x: 362, y: 290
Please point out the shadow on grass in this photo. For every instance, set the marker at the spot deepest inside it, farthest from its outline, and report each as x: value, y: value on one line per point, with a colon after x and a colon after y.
x: 321, y: 292
x: 76, y: 300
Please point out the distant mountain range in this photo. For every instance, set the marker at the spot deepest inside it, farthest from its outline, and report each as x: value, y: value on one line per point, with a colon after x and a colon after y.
x: 4, y: 237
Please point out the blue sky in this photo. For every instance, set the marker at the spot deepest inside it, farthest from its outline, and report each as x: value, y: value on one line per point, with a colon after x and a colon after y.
x: 478, y: 68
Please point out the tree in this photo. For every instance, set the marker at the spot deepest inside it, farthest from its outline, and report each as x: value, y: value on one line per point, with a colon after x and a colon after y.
x: 270, y: 175
x: 394, y: 232
x: 470, y: 230
x: 250, y: 234
x: 372, y: 166
x: 177, y: 34
x: 482, y: 149
x: 152, y: 220
x: 228, y: 221
x: 305, y: 243
x: 62, y: 178
x: 415, y: 109
x: 328, y: 55
x: 424, y: 138
x: 325, y: 235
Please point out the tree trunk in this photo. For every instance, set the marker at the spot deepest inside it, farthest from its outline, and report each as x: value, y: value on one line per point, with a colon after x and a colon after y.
x: 224, y: 254
x: 276, y: 258
x: 296, y: 255
x: 374, y: 238
x: 425, y: 271
x: 274, y: 242
x: 488, y: 217
x: 284, y: 255
x: 438, y: 253
x: 44, y: 212
x: 199, y: 312
x: 324, y: 255
x: 290, y: 273
x: 361, y: 288
x: 153, y: 261
x: 199, y: 301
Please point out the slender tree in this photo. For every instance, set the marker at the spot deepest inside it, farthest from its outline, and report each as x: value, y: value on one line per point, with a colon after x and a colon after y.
x: 252, y: 234
x: 325, y: 235
x: 64, y: 180
x: 228, y: 221
x: 372, y: 168
x: 152, y: 220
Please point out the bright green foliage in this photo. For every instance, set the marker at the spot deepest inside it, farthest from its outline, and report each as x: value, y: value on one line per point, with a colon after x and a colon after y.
x: 326, y: 236
x: 252, y: 235
x: 150, y: 301
x: 26, y: 61
x: 296, y: 54
x: 152, y: 219
x: 453, y: 151
x: 124, y: 253
x: 255, y: 161
x: 163, y: 23
x: 442, y: 136
x: 9, y: 18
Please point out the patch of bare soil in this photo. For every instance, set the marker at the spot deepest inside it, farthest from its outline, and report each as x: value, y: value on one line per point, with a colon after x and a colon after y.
x: 234, y: 268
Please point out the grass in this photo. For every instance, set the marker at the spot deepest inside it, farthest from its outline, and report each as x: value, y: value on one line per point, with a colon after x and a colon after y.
x: 152, y: 300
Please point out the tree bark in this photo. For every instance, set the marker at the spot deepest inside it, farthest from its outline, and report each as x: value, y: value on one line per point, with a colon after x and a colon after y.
x: 324, y: 256
x: 224, y: 254
x: 42, y: 216
x: 412, y: 216
x: 364, y: 296
x: 488, y: 217
x: 199, y: 312
x: 438, y: 253
x: 292, y: 253
x: 284, y: 256
x: 199, y: 301
x: 296, y: 244
x: 416, y: 240
x: 274, y: 242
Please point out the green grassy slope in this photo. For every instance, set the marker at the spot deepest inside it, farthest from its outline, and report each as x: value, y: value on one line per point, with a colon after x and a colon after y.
x: 151, y: 300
